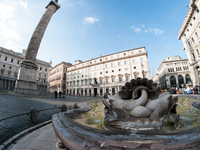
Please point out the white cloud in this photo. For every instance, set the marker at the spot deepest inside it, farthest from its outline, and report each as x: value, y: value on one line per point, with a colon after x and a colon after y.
x: 8, y: 24
x: 136, y: 29
x: 142, y: 25
x: 156, y: 31
x: 91, y: 20
x: 23, y: 4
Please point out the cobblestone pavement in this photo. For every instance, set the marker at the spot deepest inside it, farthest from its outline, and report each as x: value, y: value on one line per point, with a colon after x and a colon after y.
x: 11, y: 105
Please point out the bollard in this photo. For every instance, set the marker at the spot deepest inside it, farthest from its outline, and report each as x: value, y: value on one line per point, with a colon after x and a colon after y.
x: 63, y: 108
x: 33, y: 115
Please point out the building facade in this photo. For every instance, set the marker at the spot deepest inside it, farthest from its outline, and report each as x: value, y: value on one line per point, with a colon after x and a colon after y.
x: 9, y: 65
x: 190, y: 36
x: 57, y: 78
x: 173, y: 72
x: 106, y: 74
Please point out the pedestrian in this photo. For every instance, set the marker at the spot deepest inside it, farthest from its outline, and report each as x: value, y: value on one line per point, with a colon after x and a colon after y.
x: 59, y: 94
x: 55, y: 94
x: 78, y: 95
x: 172, y: 91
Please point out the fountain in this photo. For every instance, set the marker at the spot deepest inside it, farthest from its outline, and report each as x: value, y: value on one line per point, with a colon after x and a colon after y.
x: 138, y: 117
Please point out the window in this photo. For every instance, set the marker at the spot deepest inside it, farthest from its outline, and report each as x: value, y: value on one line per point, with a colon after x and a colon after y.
x: 5, y: 59
x: 100, y: 72
x: 10, y: 67
x: 193, y: 56
x: 119, y: 69
x: 16, y: 68
x: 106, y: 71
x: 120, y: 79
x: 111, y: 64
x: 134, y: 67
x: 194, y: 18
x: 190, y: 24
x: 127, y: 78
x: 113, y: 79
x: 124, y: 54
x: 85, y: 82
x: 106, y: 66
x: 197, y: 10
x: 82, y: 82
x: 135, y: 76
x: 11, y: 61
x: 141, y: 59
x: 106, y: 80
x: 126, y: 69
x: 189, y: 44
x: 112, y: 70
x: 125, y: 62
x: 144, y: 75
x: 193, y: 39
x: 100, y: 59
x: 197, y: 52
x: 133, y: 60
x: 106, y: 58
x: 82, y: 75
x: 132, y: 53
x: 188, y: 30
x: 197, y: 35
x: 40, y: 68
x: 45, y: 69
x: 140, y: 51
x: 117, y: 55
x: 39, y: 74
x: 118, y: 63
x: 4, y: 65
x: 101, y: 81
x: 18, y: 62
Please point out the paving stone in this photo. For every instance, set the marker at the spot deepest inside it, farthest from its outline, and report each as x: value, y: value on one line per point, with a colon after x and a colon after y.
x: 18, y: 104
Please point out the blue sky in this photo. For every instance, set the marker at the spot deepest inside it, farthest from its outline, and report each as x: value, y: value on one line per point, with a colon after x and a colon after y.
x: 85, y: 29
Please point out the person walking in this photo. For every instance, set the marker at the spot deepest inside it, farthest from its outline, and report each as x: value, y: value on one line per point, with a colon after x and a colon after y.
x: 55, y: 94
x: 59, y: 94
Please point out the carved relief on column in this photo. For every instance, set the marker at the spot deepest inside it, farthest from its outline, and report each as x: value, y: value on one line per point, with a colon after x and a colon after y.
x: 37, y: 36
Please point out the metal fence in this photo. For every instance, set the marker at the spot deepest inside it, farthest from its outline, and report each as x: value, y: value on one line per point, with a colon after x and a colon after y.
x: 11, y: 126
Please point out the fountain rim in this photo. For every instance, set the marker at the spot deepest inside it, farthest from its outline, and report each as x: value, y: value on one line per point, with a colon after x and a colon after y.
x: 66, y: 127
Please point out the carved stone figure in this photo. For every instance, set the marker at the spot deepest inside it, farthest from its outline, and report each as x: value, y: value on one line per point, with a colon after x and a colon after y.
x: 140, y: 105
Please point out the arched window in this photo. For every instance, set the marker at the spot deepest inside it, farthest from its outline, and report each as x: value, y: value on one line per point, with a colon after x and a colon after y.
x: 187, y: 78
x: 180, y: 80
x: 173, y: 81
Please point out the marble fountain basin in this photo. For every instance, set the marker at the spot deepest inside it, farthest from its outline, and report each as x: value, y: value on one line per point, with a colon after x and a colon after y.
x: 82, y: 128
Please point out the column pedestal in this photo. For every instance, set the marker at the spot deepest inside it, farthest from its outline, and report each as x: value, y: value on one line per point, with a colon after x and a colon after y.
x: 26, y: 83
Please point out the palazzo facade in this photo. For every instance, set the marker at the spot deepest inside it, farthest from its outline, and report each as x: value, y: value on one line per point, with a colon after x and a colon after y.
x: 173, y: 72
x: 9, y: 65
x: 190, y: 36
x: 107, y: 74
x: 57, y: 78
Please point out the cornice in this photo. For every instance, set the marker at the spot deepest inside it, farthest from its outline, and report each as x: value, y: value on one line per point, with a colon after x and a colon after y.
x: 107, y: 61
x: 192, y: 8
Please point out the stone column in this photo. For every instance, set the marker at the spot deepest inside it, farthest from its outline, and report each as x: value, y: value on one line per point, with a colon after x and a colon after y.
x: 8, y: 84
x: 26, y: 80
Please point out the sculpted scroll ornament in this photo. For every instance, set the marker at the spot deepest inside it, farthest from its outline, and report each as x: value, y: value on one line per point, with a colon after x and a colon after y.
x: 139, y: 105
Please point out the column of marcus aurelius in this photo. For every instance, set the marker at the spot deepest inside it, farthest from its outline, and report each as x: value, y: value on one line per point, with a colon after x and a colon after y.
x: 26, y: 80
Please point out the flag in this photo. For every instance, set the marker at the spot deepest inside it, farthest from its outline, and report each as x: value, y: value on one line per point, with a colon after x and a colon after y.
x: 90, y: 81
x: 95, y: 80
